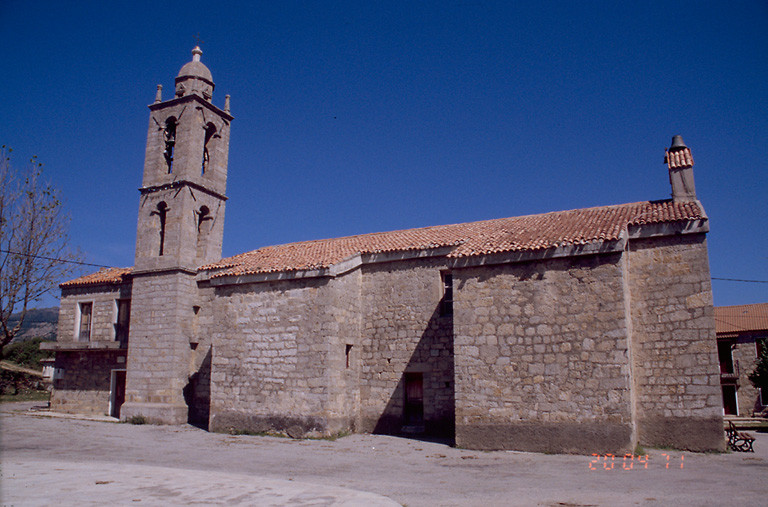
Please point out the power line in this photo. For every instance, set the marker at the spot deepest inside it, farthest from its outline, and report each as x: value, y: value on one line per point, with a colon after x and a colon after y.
x: 54, y: 259
x: 740, y: 280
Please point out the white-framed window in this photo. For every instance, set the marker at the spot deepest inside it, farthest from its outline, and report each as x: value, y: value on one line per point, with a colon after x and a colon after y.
x: 84, y: 321
x: 122, y: 317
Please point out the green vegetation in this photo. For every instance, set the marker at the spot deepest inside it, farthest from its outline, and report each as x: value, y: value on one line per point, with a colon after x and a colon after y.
x: 331, y: 438
x: 34, y: 395
x: 27, y: 353
x: 136, y: 419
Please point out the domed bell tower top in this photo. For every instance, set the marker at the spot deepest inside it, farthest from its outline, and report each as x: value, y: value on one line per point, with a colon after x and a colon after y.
x: 194, y: 77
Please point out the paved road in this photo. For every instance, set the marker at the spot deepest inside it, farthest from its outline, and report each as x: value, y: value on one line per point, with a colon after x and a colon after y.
x: 60, y: 461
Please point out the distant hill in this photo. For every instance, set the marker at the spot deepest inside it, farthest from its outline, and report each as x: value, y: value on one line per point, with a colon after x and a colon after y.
x: 39, y: 322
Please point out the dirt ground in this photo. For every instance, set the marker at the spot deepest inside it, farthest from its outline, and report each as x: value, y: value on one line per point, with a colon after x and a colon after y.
x: 48, y: 460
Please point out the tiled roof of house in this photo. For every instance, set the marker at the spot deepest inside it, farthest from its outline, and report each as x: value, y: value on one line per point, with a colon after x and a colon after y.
x: 101, y: 277
x: 735, y: 319
x: 526, y: 233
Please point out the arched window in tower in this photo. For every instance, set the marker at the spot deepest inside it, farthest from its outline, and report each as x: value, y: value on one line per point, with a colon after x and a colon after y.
x: 162, y: 211
x: 204, y: 219
x: 210, y: 133
x: 169, y: 136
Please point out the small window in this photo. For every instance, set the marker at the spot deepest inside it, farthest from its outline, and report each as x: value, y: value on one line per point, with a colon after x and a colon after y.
x: 347, y: 351
x: 84, y: 331
x: 204, y: 224
x: 725, y: 356
x: 446, y: 303
x: 162, y: 212
x: 203, y: 215
x: 210, y: 133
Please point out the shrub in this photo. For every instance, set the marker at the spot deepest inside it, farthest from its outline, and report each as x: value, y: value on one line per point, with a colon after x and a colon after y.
x: 27, y: 353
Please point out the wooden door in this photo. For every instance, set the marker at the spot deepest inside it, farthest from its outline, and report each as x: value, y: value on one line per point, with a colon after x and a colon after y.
x: 413, y: 413
x: 118, y: 392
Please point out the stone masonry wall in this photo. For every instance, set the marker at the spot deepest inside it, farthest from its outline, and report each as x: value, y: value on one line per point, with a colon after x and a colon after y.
x: 186, y: 242
x: 270, y: 357
x: 82, y: 383
x: 542, y: 356
x: 192, y: 116
x: 162, y: 318
x: 403, y: 331
x: 343, y: 371
x: 197, y: 393
x: 104, y: 312
x: 679, y: 402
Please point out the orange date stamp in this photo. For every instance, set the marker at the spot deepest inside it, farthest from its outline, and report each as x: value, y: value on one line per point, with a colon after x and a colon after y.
x: 632, y: 462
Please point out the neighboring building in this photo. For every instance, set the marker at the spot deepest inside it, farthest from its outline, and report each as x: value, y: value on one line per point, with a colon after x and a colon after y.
x: 575, y: 331
x: 48, y: 368
x: 742, y: 332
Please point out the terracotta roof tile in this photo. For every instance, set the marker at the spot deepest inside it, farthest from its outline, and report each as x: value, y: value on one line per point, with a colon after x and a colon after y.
x: 101, y: 277
x: 526, y: 233
x: 734, y: 319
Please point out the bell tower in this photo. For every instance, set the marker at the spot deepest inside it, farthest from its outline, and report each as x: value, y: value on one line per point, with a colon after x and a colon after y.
x: 181, y: 213
x: 180, y: 227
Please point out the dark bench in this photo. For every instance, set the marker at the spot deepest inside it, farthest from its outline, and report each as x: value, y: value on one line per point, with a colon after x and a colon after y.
x: 739, y: 440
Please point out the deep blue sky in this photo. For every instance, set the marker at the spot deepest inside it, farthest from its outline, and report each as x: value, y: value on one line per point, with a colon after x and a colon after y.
x: 355, y: 117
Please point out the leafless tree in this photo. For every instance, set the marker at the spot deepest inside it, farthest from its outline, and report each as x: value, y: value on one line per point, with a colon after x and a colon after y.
x: 34, y: 244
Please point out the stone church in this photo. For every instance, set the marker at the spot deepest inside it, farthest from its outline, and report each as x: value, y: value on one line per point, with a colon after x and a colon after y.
x: 584, y: 331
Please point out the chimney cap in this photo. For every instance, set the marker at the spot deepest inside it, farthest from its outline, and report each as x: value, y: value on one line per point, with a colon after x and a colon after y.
x: 677, y: 143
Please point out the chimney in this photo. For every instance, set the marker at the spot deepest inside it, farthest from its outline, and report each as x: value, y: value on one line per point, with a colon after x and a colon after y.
x: 680, y: 162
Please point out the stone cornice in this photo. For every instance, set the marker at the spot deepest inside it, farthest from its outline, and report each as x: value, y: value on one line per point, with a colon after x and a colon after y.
x: 179, y: 184
x: 163, y: 271
x: 190, y: 98
x: 83, y: 346
x: 345, y: 266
